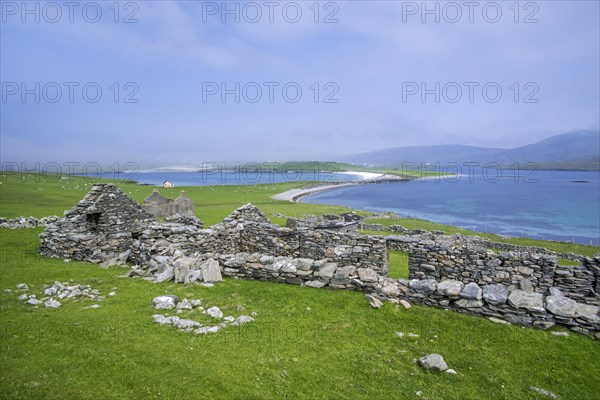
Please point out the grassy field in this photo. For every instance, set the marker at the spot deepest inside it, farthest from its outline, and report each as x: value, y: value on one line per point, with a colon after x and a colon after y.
x: 305, y: 343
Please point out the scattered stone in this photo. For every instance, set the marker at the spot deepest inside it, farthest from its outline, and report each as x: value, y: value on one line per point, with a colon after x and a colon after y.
x: 93, y: 306
x: 185, y: 304
x: 22, y: 286
x: 162, y: 320
x: 112, y: 294
x: 499, y: 321
x: 544, y: 392
x: 22, y: 297
x: 413, y: 335
x: 451, y: 371
x: 167, y: 302
x: 433, y: 361
x: 374, y: 301
x: 215, y: 312
x: 185, y: 324
x: 33, y: 301
x: 400, y: 334
x: 560, y: 333
x: 51, y: 303
x: 195, y: 303
x: 405, y: 304
x: 207, y: 329
x: 242, y: 319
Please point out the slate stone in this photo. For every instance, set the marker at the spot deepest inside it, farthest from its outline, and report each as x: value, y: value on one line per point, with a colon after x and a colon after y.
x: 527, y: 301
x: 450, y: 288
x: 495, y: 294
x: 471, y: 291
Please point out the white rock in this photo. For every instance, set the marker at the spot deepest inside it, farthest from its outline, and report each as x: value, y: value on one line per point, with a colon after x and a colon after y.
x: 185, y: 324
x: 242, y: 319
x: 22, y: 286
x: 215, y: 312
x: 405, y: 304
x: 166, y: 302
x: 433, y: 361
x: 51, y: 303
x: 161, y: 319
x: 207, y: 329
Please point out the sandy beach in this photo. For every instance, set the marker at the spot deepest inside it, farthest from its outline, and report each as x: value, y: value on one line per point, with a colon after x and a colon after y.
x: 295, y: 195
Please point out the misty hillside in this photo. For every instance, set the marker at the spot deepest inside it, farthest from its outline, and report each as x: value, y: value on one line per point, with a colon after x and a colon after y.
x: 578, y: 150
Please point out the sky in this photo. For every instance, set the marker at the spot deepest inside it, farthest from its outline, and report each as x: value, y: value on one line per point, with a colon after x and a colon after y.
x: 162, y: 83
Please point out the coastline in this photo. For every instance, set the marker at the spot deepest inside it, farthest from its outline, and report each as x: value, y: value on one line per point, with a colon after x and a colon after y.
x: 295, y: 195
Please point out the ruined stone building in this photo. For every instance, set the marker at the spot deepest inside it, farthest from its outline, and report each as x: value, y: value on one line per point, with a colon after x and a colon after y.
x: 160, y: 207
x: 105, y: 221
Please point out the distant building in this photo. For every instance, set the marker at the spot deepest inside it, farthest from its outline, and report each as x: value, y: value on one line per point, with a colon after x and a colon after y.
x: 161, y: 207
x: 167, y: 184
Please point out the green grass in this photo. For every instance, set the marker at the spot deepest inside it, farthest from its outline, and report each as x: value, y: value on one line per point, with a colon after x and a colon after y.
x: 398, y: 264
x: 305, y: 344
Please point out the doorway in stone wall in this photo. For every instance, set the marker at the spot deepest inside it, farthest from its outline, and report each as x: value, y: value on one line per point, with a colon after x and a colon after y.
x: 93, y: 221
x: 398, y: 261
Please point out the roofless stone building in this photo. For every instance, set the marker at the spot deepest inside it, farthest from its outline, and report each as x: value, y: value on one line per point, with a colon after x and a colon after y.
x: 104, y: 222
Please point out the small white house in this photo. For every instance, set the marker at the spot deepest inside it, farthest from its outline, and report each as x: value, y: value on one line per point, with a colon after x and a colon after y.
x: 167, y: 184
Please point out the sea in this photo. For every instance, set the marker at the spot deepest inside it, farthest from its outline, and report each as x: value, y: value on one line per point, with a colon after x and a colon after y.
x: 549, y: 205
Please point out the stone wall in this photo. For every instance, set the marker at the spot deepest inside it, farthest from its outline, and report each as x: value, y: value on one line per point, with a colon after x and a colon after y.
x: 518, y: 305
x: 247, y: 230
x: 27, y: 222
x: 465, y: 263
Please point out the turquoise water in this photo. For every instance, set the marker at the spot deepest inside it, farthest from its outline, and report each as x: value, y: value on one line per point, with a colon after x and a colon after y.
x: 555, y: 205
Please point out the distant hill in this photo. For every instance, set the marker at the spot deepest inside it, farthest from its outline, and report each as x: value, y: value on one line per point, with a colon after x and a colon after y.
x: 577, y: 150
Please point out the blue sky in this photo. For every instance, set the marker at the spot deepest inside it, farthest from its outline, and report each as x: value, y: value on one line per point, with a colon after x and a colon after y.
x: 371, y: 61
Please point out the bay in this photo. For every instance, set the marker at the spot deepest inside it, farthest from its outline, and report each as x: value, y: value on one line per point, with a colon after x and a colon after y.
x: 553, y: 205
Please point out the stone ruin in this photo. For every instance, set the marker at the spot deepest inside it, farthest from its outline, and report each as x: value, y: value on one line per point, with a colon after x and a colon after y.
x: 160, y: 207
x: 450, y: 272
x: 104, y: 222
